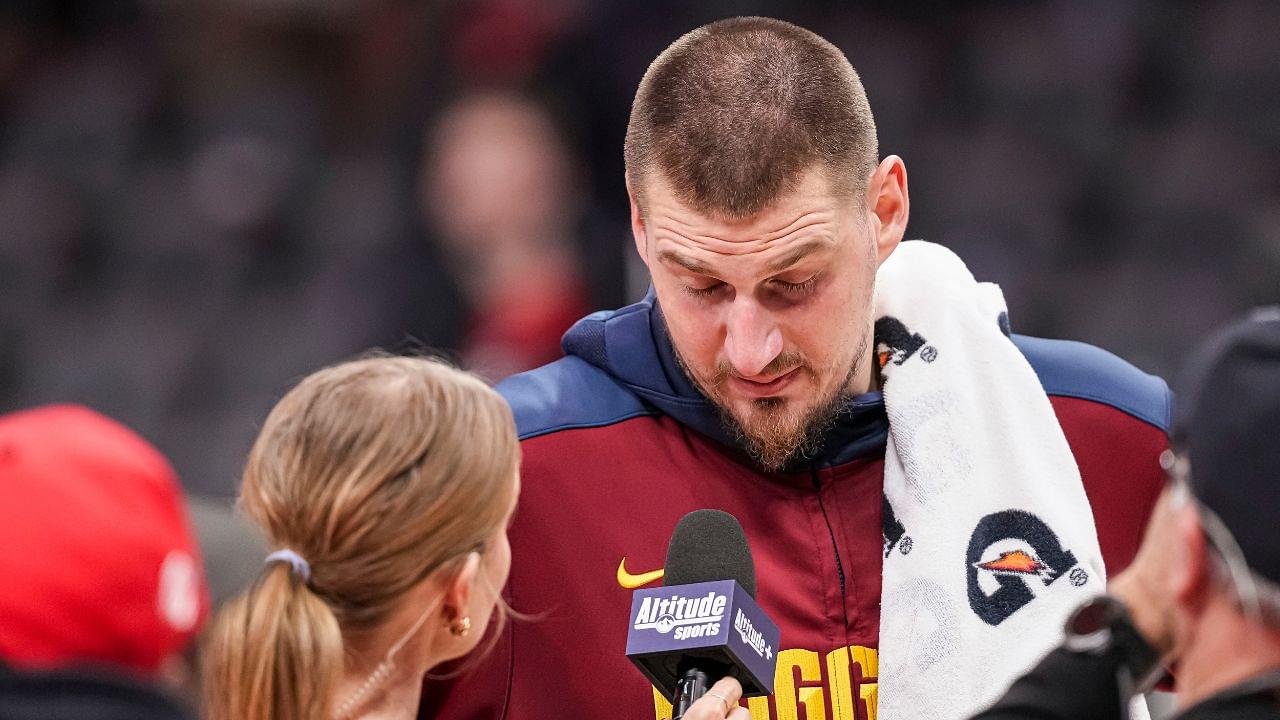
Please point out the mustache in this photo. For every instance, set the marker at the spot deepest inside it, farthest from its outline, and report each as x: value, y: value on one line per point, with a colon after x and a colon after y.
x: 784, y: 363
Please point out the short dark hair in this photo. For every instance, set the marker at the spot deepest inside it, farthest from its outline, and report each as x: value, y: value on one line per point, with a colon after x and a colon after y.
x: 734, y: 112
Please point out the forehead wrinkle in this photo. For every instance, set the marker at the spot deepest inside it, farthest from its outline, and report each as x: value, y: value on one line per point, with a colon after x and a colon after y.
x: 751, y: 246
x: 802, y: 249
x: 685, y: 257
x: 805, y: 220
x: 691, y: 264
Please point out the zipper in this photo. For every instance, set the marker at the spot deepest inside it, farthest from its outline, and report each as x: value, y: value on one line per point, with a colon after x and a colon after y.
x: 831, y: 533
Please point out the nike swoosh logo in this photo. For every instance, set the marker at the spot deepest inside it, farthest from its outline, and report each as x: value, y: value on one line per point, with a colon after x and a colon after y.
x: 631, y: 582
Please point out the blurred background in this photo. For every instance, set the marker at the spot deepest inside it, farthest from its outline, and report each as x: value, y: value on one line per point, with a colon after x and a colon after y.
x: 203, y: 200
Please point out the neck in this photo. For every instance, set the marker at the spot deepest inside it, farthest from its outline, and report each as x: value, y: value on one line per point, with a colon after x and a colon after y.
x: 867, y: 380
x: 1224, y: 650
x: 397, y: 699
x: 865, y: 375
x: 397, y: 696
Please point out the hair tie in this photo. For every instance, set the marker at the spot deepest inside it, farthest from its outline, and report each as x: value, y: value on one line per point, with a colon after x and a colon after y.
x: 297, y: 563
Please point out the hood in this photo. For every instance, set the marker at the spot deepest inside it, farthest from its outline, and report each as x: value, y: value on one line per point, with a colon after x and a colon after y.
x: 632, y: 345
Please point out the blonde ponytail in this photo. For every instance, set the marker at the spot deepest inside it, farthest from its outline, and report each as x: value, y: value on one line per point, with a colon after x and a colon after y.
x: 275, y: 653
x: 378, y: 472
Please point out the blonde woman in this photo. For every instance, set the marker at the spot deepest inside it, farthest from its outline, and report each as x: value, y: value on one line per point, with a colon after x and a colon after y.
x: 386, y: 486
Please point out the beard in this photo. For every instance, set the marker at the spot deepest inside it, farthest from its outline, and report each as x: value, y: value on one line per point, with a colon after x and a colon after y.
x: 773, y: 431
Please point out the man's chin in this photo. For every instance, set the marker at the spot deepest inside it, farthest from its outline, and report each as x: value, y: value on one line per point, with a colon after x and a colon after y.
x: 773, y: 430
x: 745, y: 408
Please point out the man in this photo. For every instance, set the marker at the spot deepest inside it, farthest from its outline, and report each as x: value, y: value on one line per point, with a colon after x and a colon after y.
x: 1204, y: 591
x: 749, y: 380
x: 102, y: 590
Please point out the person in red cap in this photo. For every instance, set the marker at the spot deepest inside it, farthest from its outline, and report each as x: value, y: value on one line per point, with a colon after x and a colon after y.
x: 102, y: 583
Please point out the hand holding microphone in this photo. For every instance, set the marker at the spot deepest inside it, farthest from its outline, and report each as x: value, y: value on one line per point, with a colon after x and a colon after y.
x: 720, y: 702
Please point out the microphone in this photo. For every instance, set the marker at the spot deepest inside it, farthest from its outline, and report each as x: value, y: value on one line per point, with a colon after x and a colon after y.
x: 703, y: 624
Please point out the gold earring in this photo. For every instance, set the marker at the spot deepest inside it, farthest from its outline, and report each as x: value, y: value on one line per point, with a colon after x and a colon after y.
x: 460, y: 627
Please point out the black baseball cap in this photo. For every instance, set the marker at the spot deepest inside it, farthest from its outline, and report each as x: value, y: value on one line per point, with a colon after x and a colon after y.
x: 1228, y: 427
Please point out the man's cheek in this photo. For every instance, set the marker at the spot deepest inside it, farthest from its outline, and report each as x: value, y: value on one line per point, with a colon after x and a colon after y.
x: 696, y: 341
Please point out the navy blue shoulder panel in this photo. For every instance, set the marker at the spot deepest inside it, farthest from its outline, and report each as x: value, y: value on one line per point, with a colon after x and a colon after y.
x: 569, y: 393
x: 1074, y: 369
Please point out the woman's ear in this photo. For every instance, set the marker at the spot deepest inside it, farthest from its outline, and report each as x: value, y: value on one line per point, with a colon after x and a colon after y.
x: 460, y: 589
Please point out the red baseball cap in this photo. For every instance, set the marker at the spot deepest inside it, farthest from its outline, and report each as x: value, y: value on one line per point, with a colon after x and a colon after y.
x: 98, y: 563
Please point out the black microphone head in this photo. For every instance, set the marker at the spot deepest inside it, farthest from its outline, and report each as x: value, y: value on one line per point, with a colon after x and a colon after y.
x: 709, y: 545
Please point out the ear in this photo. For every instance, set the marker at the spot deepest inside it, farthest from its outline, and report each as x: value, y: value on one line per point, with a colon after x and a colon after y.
x: 888, y: 205
x: 458, y: 593
x: 637, y: 226
x: 1190, y: 573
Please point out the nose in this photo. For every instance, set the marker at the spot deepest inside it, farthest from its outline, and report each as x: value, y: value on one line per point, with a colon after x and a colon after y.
x: 752, y: 340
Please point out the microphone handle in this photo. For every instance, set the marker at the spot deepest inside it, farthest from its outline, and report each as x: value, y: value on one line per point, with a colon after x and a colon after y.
x: 693, y: 684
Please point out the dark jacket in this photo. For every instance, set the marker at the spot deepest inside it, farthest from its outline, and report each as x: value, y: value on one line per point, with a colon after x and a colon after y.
x: 618, y: 444
x: 83, y: 695
x: 1070, y: 686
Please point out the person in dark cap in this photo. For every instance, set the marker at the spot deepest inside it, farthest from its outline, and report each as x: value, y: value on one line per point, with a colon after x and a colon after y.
x: 1203, y: 595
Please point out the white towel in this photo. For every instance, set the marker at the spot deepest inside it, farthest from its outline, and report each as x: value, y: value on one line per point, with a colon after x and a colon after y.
x: 992, y: 541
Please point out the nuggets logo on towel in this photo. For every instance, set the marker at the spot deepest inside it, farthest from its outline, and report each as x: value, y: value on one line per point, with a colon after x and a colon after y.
x: 894, y: 532
x: 895, y: 343
x: 1010, y: 552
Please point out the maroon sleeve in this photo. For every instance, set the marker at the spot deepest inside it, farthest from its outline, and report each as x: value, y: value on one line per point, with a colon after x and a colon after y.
x: 1119, y: 460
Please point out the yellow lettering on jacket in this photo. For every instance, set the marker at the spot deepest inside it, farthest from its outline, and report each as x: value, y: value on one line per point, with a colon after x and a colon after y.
x: 788, y: 696
x: 661, y: 708
x: 841, y: 683
x: 841, y: 693
x: 759, y: 707
x: 868, y: 661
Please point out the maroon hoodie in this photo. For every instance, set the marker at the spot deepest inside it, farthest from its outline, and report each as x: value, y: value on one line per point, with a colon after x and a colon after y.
x: 618, y: 445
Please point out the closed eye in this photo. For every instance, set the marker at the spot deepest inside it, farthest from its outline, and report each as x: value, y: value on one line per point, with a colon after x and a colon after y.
x: 701, y: 292
x: 799, y: 288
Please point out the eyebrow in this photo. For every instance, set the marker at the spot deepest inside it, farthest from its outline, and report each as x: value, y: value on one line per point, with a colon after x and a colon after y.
x: 795, y: 256
x: 688, y: 263
x: 782, y: 263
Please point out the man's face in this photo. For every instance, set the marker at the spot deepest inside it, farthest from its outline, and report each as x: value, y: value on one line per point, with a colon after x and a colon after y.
x: 770, y: 315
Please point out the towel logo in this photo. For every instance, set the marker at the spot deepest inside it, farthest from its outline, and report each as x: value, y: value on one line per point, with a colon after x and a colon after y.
x: 895, y: 343
x: 1008, y: 551
x: 894, y: 532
